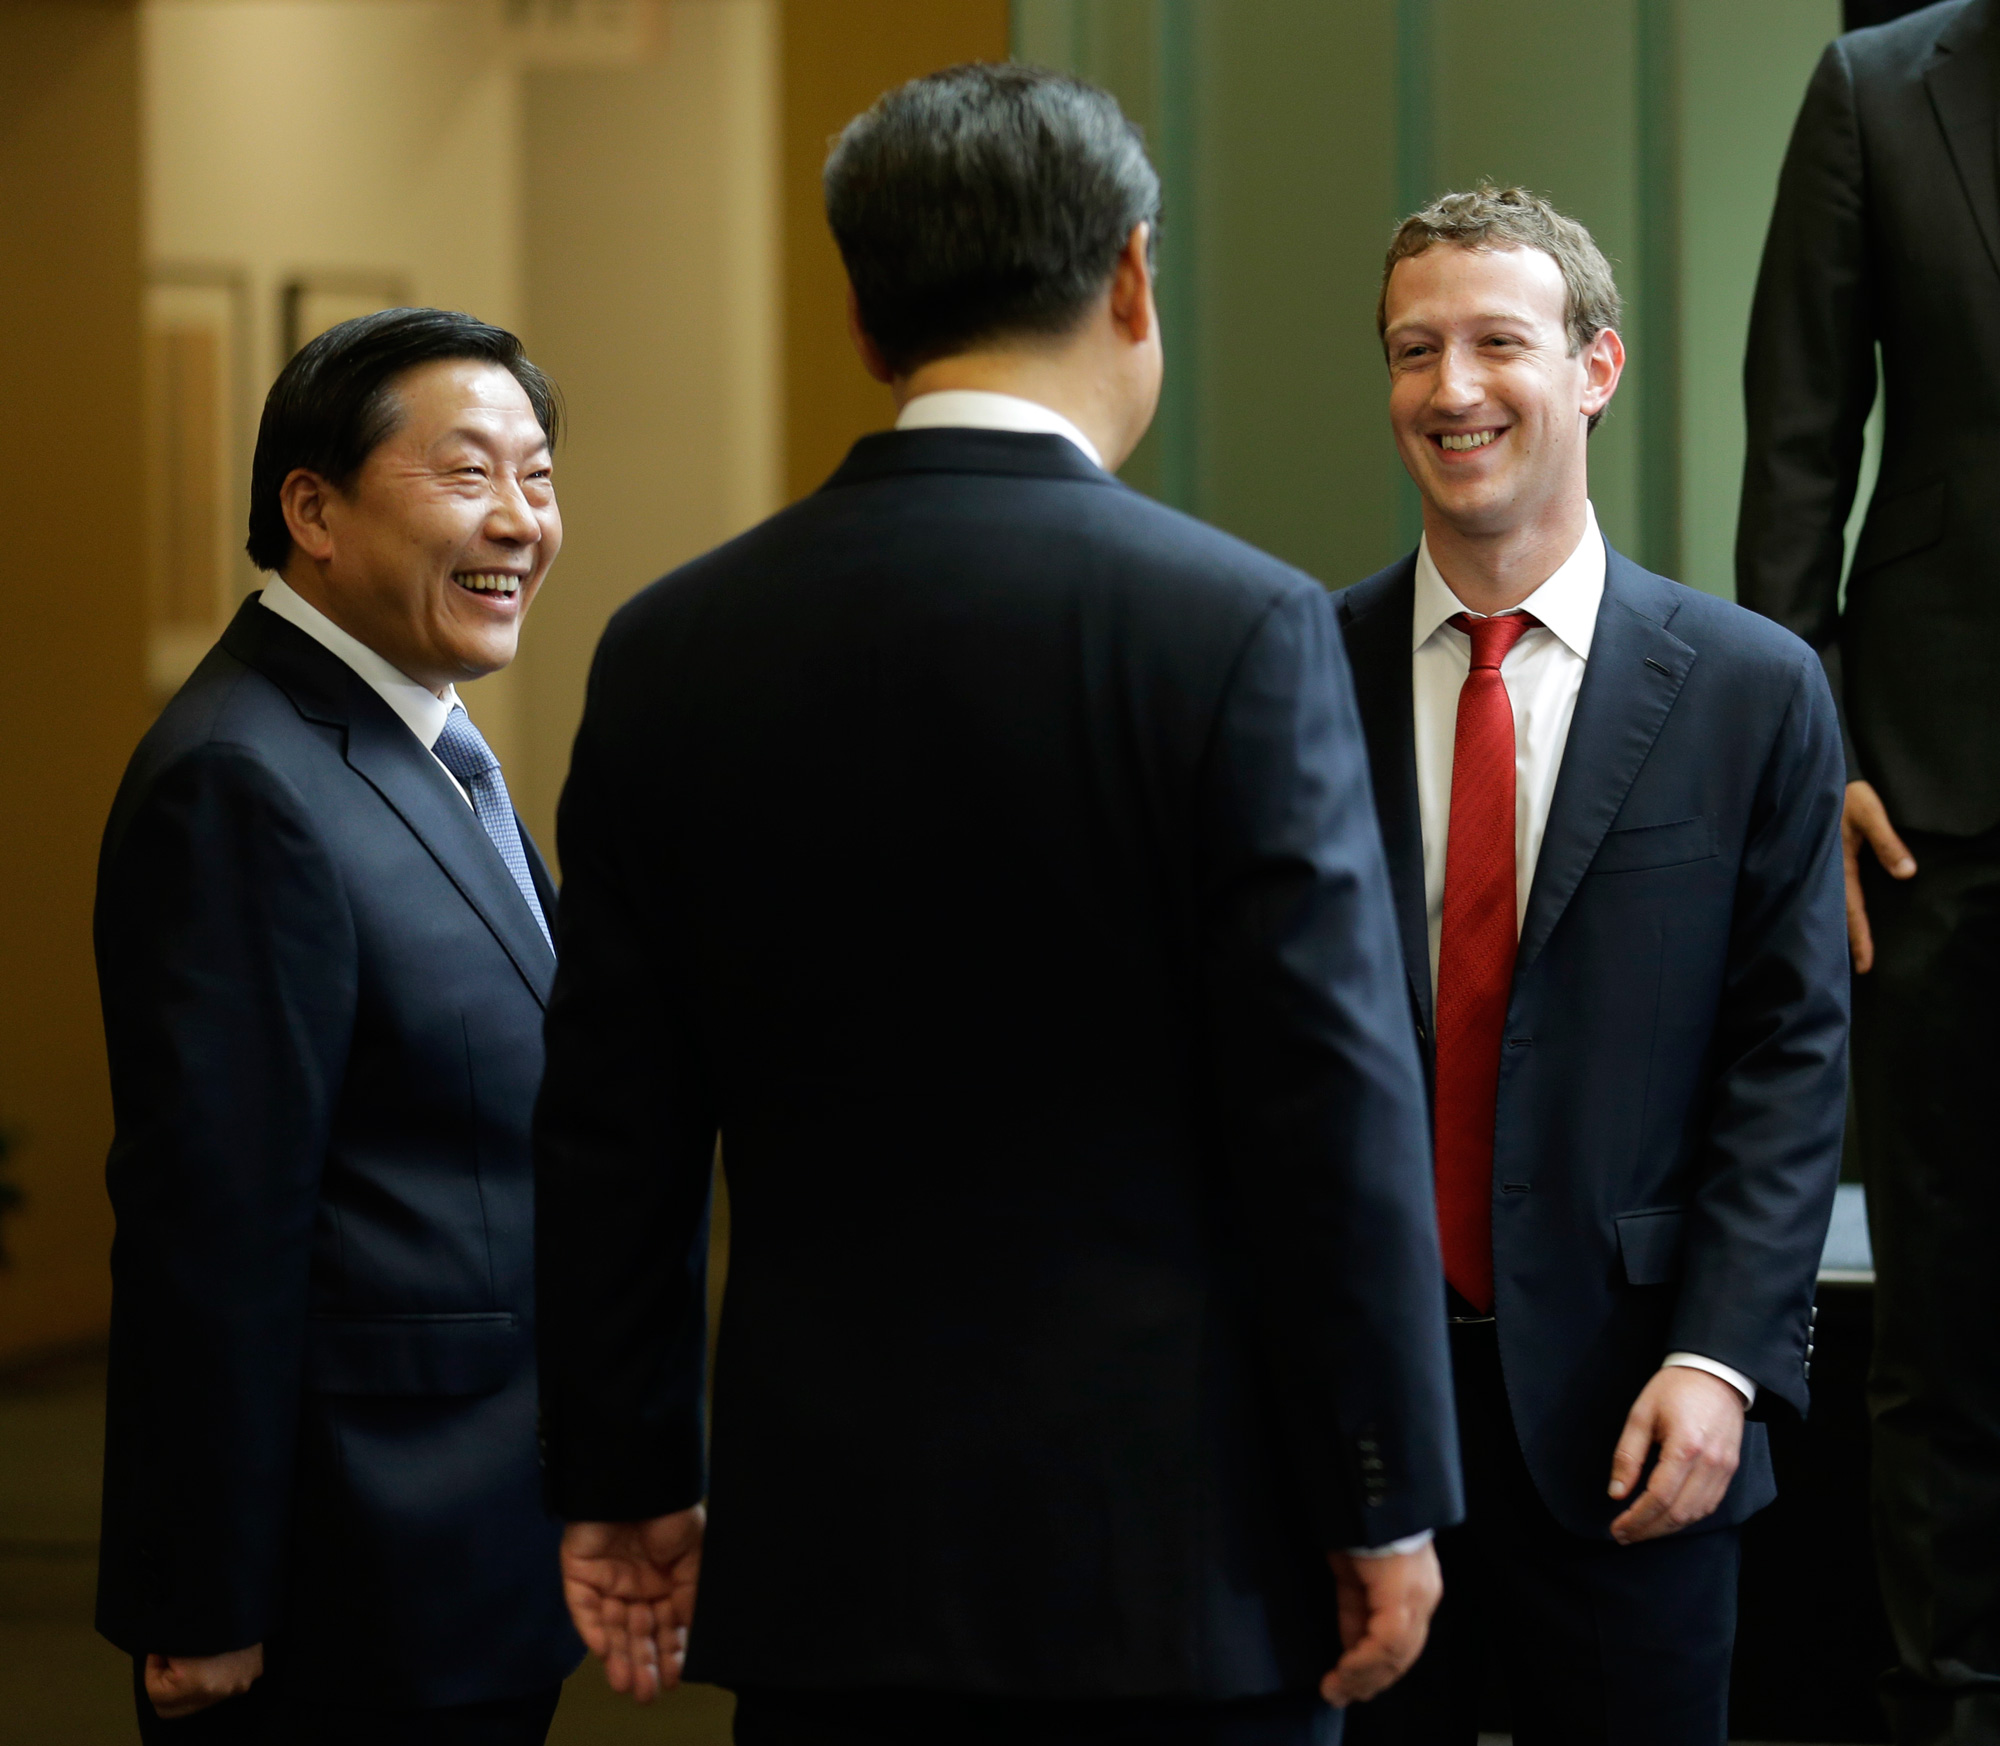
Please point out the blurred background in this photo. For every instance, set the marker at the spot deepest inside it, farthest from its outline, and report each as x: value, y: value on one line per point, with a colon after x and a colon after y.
x: 189, y: 189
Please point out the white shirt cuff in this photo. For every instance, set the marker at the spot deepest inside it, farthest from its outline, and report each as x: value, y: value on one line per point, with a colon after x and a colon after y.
x: 1735, y: 1378
x: 1395, y: 1548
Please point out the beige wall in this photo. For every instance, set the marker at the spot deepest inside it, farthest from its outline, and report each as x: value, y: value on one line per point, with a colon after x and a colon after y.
x: 72, y: 659
x: 651, y: 297
x: 838, y: 57
x: 307, y: 136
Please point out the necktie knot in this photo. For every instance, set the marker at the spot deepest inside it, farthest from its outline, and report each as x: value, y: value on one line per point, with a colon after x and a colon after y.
x: 1493, y: 637
x: 463, y: 750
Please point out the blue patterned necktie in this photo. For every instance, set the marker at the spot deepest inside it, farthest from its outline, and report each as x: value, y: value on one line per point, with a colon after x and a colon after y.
x: 462, y: 751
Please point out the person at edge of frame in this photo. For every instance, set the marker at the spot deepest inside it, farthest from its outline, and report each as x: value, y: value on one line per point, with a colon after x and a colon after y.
x: 323, y: 944
x: 1885, y: 244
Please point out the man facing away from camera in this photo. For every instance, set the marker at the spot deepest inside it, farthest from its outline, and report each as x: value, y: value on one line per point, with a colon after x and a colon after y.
x: 322, y: 938
x: 985, y: 852
x: 1612, y: 813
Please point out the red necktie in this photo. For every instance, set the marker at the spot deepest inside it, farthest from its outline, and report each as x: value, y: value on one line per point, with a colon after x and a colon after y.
x: 1476, y: 955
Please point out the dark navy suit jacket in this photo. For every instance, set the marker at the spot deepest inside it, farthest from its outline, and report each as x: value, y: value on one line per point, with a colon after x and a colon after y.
x: 323, y: 1000
x: 1673, y: 1080
x: 987, y: 852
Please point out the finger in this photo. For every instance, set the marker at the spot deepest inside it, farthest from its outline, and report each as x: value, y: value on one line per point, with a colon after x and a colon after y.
x: 1860, y: 940
x: 1369, y: 1668
x: 1669, y: 1475
x: 163, y: 1685
x: 1889, y: 848
x: 1628, y: 1460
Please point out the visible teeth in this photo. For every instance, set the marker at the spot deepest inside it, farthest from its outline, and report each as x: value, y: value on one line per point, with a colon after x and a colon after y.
x: 1472, y: 439
x: 489, y: 582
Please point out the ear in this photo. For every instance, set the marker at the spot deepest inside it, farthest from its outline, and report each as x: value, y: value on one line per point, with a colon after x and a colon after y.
x: 1132, y: 311
x: 871, y: 356
x: 305, y: 498
x: 1603, y: 364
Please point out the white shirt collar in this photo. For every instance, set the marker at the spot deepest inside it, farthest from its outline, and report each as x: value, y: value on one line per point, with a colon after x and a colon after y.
x: 422, y: 711
x: 1567, y: 602
x: 977, y: 409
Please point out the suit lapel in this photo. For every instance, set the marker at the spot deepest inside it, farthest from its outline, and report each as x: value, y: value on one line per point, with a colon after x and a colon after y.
x: 386, y: 755
x: 1376, y: 617
x: 1960, y: 80
x: 1636, y: 670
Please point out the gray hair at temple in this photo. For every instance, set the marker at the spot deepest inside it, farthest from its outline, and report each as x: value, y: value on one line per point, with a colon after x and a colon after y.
x: 983, y: 203
x: 1514, y: 218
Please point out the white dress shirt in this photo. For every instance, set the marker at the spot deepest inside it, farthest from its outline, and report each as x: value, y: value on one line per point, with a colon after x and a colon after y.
x: 421, y: 710
x: 976, y: 409
x: 1543, y: 673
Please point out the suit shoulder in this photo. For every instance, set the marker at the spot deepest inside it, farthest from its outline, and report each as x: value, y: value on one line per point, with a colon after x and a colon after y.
x: 1721, y: 630
x: 228, y: 722
x: 1360, y: 600
x: 1900, y: 49
x: 1104, y: 531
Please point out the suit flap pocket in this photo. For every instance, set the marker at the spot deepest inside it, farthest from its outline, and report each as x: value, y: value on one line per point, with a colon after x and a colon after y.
x: 413, y: 1355
x: 1638, y: 847
x: 1650, y: 1243
x: 1906, y: 523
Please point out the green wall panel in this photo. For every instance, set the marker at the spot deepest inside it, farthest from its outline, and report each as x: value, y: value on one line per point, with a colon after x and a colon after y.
x: 1291, y: 134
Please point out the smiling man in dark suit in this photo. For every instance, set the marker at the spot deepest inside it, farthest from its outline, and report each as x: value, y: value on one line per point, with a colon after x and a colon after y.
x: 323, y: 943
x: 1612, y: 812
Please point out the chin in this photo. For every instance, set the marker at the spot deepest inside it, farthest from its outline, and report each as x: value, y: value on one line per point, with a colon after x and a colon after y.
x: 488, y: 655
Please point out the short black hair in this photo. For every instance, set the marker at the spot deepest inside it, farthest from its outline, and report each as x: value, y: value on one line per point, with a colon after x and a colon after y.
x: 982, y: 202
x: 334, y: 403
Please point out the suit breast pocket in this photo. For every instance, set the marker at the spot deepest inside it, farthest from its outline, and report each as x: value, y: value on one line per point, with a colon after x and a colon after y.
x: 1649, y: 1243
x: 1636, y: 848
x: 423, y: 1355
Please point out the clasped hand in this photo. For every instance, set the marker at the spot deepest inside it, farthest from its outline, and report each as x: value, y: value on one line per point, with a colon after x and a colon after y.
x: 630, y: 1588
x: 184, y: 1685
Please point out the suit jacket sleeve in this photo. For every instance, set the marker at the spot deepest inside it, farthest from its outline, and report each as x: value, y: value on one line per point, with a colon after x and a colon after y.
x: 226, y: 960
x: 1808, y: 375
x: 1321, y: 1097
x: 1771, y: 1153
x: 625, y: 1133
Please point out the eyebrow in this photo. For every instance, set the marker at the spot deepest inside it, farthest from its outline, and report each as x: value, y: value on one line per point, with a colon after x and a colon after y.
x: 1491, y: 315
x: 485, y: 439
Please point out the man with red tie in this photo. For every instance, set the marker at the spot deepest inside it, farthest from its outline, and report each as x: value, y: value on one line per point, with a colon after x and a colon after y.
x: 1612, y: 812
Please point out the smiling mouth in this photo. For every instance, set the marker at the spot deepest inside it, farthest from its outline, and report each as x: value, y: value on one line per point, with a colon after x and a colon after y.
x: 1455, y: 442
x: 499, y: 582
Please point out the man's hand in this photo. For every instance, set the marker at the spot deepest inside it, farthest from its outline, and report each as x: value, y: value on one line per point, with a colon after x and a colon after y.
x: 1864, y: 819
x: 630, y: 1588
x: 1385, y: 1615
x: 180, y: 1685
x: 1697, y: 1421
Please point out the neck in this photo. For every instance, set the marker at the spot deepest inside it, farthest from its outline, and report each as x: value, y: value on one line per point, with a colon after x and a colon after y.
x: 1056, y: 378
x: 305, y: 581
x: 1492, y: 570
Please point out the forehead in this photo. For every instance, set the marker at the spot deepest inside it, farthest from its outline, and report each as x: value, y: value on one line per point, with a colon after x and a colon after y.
x: 468, y: 397
x: 1449, y: 283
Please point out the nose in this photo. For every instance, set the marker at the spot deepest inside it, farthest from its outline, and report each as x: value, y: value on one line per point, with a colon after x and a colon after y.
x: 1457, y: 386
x: 512, y: 519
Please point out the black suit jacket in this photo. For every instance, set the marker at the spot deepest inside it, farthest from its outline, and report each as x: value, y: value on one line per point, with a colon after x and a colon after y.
x: 1673, y: 1081
x: 986, y: 851
x: 1887, y: 233
x: 323, y: 1000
